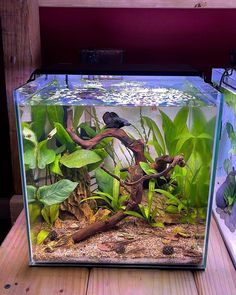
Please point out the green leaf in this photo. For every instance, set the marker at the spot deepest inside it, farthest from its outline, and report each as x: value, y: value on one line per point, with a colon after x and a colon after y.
x: 30, y: 154
x: 46, y: 214
x: 29, y: 135
x: 172, y: 209
x: 104, y: 181
x: 204, y: 136
x: 104, y: 198
x: 169, y: 132
x: 34, y: 211
x: 53, y: 213
x: 147, y: 169
x: 89, y: 130
x: 180, y: 120
x: 78, y: 112
x: 199, y: 121
x: 45, y: 156
x: 158, y: 224
x: 116, y: 183
x: 38, y: 120
x: 157, y: 135
x: 42, y: 235
x: 55, y: 166
x: 57, y: 192
x: 55, y: 114
x: 133, y: 213
x: 64, y: 138
x: 103, y: 154
x: 80, y: 158
x: 31, y: 193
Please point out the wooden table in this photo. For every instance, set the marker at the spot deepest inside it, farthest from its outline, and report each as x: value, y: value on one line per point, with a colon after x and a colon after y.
x: 219, y: 277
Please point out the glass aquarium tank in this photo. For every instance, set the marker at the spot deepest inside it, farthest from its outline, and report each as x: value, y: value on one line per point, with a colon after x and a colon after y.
x: 224, y: 207
x: 118, y: 169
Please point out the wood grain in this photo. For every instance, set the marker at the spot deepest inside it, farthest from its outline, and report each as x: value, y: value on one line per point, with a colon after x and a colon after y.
x: 220, y: 275
x: 140, y: 282
x: 140, y: 3
x: 21, y: 50
x: 35, y: 280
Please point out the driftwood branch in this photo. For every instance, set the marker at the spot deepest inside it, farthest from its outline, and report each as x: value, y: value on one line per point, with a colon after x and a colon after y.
x: 177, y: 160
x: 163, y: 165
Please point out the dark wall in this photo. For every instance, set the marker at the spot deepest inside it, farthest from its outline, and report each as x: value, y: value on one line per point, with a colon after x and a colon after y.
x: 6, y: 184
x: 199, y: 37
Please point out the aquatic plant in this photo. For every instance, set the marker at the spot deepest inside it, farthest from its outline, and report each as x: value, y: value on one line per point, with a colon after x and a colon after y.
x: 195, y: 142
x: 45, y: 200
x: 111, y: 190
x: 136, y: 174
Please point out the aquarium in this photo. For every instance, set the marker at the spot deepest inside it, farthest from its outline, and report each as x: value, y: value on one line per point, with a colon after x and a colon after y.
x: 224, y: 207
x: 118, y: 169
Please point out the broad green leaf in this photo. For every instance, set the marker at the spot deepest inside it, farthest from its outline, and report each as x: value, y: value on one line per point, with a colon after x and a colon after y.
x: 34, y: 211
x: 30, y: 154
x: 54, y: 213
x: 104, y: 181
x: 45, y: 156
x: 55, y: 166
x: 29, y: 135
x: 60, y: 149
x: 80, y: 158
x: 46, y: 214
x: 57, y: 192
x: 133, y: 213
x: 147, y: 169
x: 42, y: 235
x: 103, y: 154
x: 180, y: 120
x: 169, y: 132
x: 55, y: 114
x: 78, y: 112
x: 199, y: 121
x: 172, y: 209
x: 38, y: 120
x: 64, y: 138
x: 31, y: 193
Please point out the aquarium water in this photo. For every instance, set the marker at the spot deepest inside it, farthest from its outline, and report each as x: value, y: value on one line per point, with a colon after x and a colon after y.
x: 118, y: 169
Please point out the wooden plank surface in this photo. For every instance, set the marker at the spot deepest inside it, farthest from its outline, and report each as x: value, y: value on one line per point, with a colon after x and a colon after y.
x: 21, y: 52
x: 141, y: 282
x: 218, y: 279
x: 14, y: 270
x: 220, y: 275
x: 140, y: 3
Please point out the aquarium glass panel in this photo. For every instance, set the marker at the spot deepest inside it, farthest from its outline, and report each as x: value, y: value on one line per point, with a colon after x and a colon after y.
x: 118, y: 169
x: 224, y: 206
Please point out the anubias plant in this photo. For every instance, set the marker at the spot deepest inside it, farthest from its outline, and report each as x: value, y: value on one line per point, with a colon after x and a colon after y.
x: 45, y: 200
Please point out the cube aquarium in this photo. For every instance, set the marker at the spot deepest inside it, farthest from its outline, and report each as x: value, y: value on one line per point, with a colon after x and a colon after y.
x: 118, y: 169
x: 224, y: 206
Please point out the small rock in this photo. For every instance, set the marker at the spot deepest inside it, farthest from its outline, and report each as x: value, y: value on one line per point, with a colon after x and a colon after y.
x: 53, y: 235
x: 7, y: 286
x: 120, y: 249
x: 168, y: 250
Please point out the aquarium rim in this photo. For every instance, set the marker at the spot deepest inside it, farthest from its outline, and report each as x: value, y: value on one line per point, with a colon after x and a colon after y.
x: 144, y: 70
